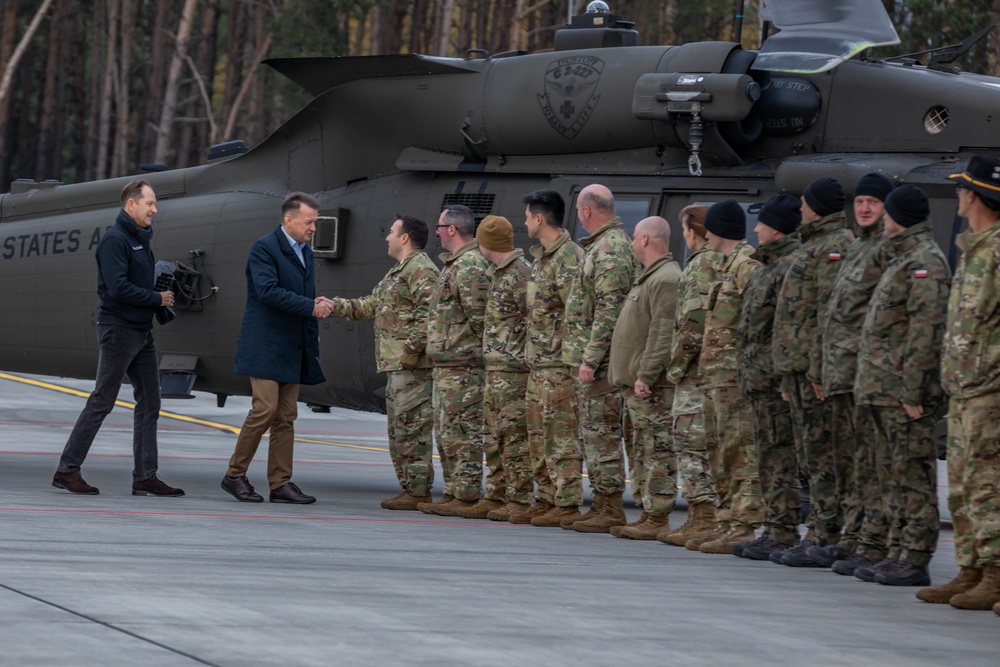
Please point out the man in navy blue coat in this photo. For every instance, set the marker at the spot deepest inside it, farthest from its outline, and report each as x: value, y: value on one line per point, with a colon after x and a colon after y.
x: 278, y: 348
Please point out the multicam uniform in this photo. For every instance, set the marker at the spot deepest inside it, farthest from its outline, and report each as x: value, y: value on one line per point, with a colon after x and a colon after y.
x: 505, y: 436
x: 455, y: 348
x: 773, y: 439
x: 553, y: 418
x: 595, y: 299
x: 640, y: 349
x: 731, y: 454
x: 899, y: 363
x: 690, y: 439
x: 802, y: 305
x: 970, y: 372
x: 854, y: 450
x: 399, y: 304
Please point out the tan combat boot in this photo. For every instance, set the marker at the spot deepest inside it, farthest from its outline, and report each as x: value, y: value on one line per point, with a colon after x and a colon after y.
x: 617, y: 530
x: 996, y: 609
x: 698, y: 539
x: 653, y: 526
x: 480, y: 509
x: 428, y: 508
x: 695, y: 519
x: 406, y: 501
x: 505, y: 512
x: 528, y: 513
x: 984, y: 595
x: 612, y: 514
x: 964, y: 581
x: 555, y: 516
x: 595, y: 509
x: 738, y: 534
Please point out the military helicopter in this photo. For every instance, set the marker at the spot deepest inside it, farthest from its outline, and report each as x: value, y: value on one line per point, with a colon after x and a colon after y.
x: 662, y: 126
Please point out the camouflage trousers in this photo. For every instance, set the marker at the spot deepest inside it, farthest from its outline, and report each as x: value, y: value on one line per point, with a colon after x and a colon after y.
x: 653, y: 449
x: 411, y: 420
x: 601, y: 435
x: 505, y: 437
x: 732, y: 456
x: 634, y: 473
x: 458, y: 429
x: 858, y: 488
x: 906, y: 461
x: 553, y: 436
x: 778, y: 468
x: 691, y: 444
x: 814, y: 451
x: 974, y: 479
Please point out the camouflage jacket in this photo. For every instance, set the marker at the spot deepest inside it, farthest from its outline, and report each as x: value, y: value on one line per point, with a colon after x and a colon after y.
x: 399, y: 304
x: 506, y: 321
x: 640, y: 345
x: 804, y: 294
x: 840, y: 331
x: 755, y: 369
x: 722, y: 318
x: 899, y: 360
x: 548, y: 287
x: 596, y: 296
x: 970, y: 365
x: 689, y: 322
x: 455, y: 324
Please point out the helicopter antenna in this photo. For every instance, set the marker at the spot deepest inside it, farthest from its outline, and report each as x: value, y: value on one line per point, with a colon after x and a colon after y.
x: 944, y: 55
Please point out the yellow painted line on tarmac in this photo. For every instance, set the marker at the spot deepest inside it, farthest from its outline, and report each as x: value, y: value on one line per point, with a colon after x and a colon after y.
x: 235, y: 430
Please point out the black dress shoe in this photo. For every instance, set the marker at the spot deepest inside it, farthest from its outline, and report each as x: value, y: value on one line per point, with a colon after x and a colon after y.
x: 289, y: 493
x: 240, y: 488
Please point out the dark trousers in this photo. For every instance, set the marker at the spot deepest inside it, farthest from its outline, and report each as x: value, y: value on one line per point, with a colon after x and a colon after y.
x: 124, y: 352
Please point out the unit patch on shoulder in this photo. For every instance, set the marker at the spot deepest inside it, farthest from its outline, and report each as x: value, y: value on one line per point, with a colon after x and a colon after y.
x: 920, y: 273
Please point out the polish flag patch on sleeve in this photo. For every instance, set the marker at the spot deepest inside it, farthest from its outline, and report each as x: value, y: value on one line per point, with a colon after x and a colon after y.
x: 920, y: 273
x: 834, y: 257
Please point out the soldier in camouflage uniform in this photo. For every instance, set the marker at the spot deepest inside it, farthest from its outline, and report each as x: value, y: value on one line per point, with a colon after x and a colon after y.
x: 777, y: 224
x: 595, y: 299
x: 690, y: 440
x: 509, y: 484
x: 864, y: 538
x: 399, y: 304
x: 640, y: 352
x: 553, y: 418
x: 455, y: 348
x: 802, y: 305
x: 731, y: 454
x: 898, y: 386
x: 970, y: 372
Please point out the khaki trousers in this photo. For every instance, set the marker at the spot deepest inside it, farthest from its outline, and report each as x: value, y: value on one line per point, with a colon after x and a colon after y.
x: 274, y: 407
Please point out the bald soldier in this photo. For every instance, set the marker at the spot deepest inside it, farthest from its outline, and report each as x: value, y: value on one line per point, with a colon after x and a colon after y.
x: 640, y: 354
x: 596, y: 295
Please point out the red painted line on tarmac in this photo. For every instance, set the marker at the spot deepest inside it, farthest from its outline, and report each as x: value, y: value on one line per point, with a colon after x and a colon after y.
x: 223, y: 515
x: 197, y: 458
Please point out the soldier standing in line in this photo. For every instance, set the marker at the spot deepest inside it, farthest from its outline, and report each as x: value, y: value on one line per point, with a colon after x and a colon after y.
x: 690, y: 439
x: 399, y: 304
x: 777, y: 224
x: 595, y: 300
x: 455, y: 348
x: 640, y: 352
x: 898, y: 386
x: 802, y: 305
x: 732, y: 459
x: 509, y: 484
x: 864, y: 538
x: 553, y: 416
x: 970, y: 371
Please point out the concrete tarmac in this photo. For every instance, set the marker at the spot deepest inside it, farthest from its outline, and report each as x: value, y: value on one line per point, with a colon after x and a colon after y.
x: 115, y: 579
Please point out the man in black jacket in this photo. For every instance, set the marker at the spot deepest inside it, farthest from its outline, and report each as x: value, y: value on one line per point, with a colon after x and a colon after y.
x: 125, y: 266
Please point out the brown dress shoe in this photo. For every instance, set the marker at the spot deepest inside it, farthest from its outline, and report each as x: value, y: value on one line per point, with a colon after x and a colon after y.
x: 155, y: 487
x: 73, y: 482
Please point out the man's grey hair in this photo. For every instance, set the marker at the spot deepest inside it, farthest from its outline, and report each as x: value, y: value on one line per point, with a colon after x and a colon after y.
x: 462, y: 218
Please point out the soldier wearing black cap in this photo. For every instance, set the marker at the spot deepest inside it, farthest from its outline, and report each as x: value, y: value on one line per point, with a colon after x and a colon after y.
x: 863, y: 541
x: 970, y: 372
x: 898, y: 386
x: 731, y: 454
x: 802, y: 307
x: 777, y: 224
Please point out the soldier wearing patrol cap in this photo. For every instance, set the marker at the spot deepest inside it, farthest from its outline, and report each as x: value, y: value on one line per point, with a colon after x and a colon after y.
x: 970, y: 372
x: 898, y: 386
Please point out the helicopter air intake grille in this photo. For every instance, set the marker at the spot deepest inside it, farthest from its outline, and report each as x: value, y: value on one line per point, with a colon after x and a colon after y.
x: 480, y: 204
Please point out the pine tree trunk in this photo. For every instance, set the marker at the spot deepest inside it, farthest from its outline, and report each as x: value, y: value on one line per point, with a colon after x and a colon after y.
x: 164, y: 132
x: 107, y: 83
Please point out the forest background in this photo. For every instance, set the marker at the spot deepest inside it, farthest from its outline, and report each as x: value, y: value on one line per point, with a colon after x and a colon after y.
x: 92, y: 89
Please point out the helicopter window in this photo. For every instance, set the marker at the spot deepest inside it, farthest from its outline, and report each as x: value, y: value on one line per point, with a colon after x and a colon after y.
x: 936, y: 119
x: 631, y: 209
